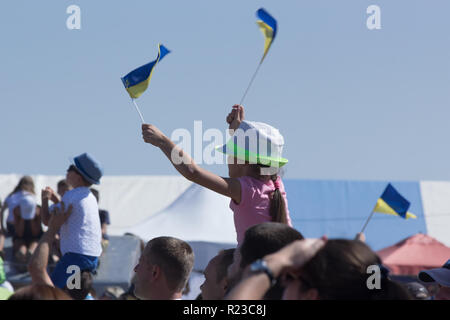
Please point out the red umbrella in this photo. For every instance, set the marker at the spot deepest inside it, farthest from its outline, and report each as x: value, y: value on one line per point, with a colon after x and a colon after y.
x: 418, y: 252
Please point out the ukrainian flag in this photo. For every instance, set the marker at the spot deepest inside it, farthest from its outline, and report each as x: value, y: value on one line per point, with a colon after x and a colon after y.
x: 392, y: 202
x: 268, y: 26
x: 136, y: 82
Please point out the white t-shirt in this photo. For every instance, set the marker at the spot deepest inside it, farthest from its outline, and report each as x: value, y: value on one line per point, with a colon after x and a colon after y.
x: 27, y: 203
x: 12, y: 201
x: 81, y: 233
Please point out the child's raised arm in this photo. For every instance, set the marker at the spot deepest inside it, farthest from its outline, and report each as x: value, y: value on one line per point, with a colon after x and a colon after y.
x: 186, y: 166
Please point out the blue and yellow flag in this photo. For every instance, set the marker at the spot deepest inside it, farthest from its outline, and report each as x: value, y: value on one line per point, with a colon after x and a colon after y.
x: 136, y: 82
x: 268, y: 26
x: 392, y: 202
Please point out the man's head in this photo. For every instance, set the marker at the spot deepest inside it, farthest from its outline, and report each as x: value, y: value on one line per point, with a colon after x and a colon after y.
x: 259, y: 241
x: 63, y: 187
x: 163, y: 269
x: 441, y: 276
x: 215, y: 284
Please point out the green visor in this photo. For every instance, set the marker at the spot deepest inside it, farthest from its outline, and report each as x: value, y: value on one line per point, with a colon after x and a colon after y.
x: 234, y: 150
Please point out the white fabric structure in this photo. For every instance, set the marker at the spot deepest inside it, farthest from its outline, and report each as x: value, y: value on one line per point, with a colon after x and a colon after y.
x: 129, y: 199
x: 197, y: 215
x: 436, y: 206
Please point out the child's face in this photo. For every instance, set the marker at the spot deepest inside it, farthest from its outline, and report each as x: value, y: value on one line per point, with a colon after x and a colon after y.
x: 235, y: 170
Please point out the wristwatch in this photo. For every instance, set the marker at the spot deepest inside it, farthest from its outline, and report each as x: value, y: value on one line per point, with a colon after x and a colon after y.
x: 261, y: 266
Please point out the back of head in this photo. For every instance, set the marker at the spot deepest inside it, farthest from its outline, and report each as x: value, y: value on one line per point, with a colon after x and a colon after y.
x: 175, y: 258
x: 266, y: 238
x: 39, y: 292
x: 86, y: 281
x: 339, y: 271
x: 226, y: 259
x: 263, y: 239
x: 26, y: 183
x: 277, y: 207
x: 63, y: 186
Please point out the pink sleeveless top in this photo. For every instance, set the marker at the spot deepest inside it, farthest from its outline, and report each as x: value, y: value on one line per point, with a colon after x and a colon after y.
x: 254, y: 207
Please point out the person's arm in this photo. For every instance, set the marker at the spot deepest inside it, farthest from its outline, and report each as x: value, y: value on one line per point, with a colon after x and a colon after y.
x: 184, y: 164
x: 38, y: 263
x: 235, y: 117
x: 46, y: 195
x: 104, y: 228
x: 290, y: 258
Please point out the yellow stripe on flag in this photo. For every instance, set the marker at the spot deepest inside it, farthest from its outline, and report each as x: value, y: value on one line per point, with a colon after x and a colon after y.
x: 268, y: 36
x: 383, y: 207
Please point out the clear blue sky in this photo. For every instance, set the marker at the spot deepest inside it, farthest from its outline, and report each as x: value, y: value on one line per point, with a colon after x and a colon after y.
x: 351, y: 103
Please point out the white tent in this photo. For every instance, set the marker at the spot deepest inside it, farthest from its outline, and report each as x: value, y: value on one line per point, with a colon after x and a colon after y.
x: 196, y: 215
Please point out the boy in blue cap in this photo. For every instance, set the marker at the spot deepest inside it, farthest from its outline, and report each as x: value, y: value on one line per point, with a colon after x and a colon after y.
x: 81, y: 234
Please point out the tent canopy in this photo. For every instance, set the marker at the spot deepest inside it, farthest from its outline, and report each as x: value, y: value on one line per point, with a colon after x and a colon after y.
x: 413, y: 254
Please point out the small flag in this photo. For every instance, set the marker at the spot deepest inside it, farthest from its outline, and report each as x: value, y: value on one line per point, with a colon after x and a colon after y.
x: 137, y: 81
x: 392, y: 202
x: 268, y: 26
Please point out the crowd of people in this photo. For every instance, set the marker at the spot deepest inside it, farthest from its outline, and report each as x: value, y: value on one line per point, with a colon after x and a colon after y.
x: 272, y: 260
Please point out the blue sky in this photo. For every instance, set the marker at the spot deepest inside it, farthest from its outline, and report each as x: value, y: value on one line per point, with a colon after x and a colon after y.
x: 352, y: 103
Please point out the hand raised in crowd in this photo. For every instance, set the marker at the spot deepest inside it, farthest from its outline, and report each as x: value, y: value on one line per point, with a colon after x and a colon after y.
x: 59, y: 217
x: 235, y: 117
x: 360, y: 236
x: 49, y: 194
x: 151, y: 134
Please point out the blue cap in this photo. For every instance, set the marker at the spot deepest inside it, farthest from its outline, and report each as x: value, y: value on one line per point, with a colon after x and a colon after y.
x: 439, y: 275
x: 88, y: 167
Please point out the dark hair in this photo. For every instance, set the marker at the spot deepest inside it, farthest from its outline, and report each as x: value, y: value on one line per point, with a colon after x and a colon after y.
x: 39, y: 292
x: 339, y: 272
x: 175, y: 257
x: 263, y: 239
x: 277, y: 205
x: 226, y: 259
x: 266, y: 238
x: 63, y: 184
x: 95, y: 193
x: 85, y: 286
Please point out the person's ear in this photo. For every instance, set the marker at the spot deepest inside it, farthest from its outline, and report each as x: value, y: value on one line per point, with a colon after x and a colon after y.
x: 156, y: 272
x: 224, y: 284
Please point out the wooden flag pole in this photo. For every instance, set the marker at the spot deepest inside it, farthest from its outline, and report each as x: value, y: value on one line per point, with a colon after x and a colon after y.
x: 137, y: 109
x: 368, y: 219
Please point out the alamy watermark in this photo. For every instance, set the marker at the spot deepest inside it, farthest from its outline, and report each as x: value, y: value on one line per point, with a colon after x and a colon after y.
x: 374, y: 280
x: 374, y: 20
x: 74, y: 280
x: 73, y: 22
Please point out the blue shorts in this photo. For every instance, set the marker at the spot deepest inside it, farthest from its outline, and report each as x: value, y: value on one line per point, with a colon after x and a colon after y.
x: 60, y: 274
